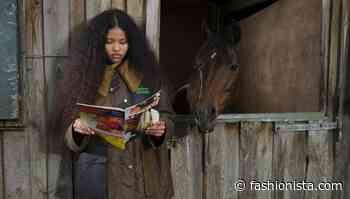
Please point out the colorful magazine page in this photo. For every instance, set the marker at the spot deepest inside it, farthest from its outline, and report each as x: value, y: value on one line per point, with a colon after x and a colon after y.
x: 98, y: 109
x: 117, y: 142
x: 116, y: 125
x: 143, y: 106
x: 106, y: 122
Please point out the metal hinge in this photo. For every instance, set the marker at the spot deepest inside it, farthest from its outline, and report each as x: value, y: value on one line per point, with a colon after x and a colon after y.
x: 171, y: 142
x: 311, y: 126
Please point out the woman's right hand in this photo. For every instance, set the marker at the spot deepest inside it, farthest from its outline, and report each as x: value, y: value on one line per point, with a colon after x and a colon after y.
x: 81, y: 127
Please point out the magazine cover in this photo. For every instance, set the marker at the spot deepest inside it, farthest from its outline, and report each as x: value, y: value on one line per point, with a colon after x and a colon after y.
x: 116, y: 125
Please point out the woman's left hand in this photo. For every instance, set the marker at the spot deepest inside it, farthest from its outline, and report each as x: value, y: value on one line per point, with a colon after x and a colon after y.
x: 156, y: 129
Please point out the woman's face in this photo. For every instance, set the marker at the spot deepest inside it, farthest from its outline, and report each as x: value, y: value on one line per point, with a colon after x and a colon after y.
x: 116, y: 45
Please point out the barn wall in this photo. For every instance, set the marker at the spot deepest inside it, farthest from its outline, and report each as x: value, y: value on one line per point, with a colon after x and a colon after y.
x: 34, y: 165
x: 208, y: 166
x: 255, y: 150
x: 281, y: 58
x: 34, y: 162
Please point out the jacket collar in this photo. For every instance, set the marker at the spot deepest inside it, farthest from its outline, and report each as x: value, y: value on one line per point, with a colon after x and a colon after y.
x: 130, y: 75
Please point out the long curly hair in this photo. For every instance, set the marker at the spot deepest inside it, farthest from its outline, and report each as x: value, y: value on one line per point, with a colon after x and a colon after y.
x: 78, y: 79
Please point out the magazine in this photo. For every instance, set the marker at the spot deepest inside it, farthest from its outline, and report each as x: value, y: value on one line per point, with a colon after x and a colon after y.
x: 117, y: 125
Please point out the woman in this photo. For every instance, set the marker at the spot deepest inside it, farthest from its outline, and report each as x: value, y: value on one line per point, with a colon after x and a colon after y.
x: 112, y: 65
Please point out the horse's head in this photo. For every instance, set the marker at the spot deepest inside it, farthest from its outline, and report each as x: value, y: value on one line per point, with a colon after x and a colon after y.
x: 214, y: 83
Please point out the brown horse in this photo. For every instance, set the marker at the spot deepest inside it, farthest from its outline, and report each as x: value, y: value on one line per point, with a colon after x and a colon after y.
x: 212, y: 88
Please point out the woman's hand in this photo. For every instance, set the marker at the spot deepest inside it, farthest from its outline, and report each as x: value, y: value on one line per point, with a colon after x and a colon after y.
x: 156, y: 129
x: 81, y: 127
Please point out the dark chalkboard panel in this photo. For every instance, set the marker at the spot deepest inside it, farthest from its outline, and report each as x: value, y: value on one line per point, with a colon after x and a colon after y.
x: 8, y: 60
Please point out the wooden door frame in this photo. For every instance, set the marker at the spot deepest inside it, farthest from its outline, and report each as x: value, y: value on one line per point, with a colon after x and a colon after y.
x: 332, y: 54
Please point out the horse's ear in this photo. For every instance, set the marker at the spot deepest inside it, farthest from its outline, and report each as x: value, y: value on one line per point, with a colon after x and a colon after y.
x: 232, y: 31
x: 206, y: 29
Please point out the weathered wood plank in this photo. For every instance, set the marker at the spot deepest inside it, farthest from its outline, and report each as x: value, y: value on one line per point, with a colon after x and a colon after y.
x: 94, y: 7
x: 255, y: 157
x: 77, y: 23
x: 33, y: 27
x: 186, y: 166
x: 56, y: 27
x: 221, y: 162
x: 34, y: 90
x: 120, y: 4
x: 321, y: 162
x: 60, y: 183
x: 345, y: 173
x: 344, y: 54
x: 16, y: 165
x: 136, y: 9
x: 77, y: 15
x: 264, y: 157
x: 153, y: 24
x: 289, y: 161
x: 247, y: 158
x: 36, y: 126
x: 342, y: 147
x: 333, y: 68
x: 334, y: 51
x: 326, y: 12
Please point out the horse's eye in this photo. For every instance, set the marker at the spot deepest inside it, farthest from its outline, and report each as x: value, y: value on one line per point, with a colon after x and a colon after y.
x: 234, y: 67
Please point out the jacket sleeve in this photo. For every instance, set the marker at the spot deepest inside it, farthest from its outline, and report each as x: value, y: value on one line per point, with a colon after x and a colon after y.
x: 166, y: 115
x: 75, y: 142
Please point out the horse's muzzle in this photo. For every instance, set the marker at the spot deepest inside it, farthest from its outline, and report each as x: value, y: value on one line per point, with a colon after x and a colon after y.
x: 205, y: 117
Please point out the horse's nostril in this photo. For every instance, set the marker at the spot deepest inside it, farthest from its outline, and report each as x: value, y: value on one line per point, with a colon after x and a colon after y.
x: 212, y: 111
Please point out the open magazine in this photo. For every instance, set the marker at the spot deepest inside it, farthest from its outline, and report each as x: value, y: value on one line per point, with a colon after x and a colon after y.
x: 117, y: 125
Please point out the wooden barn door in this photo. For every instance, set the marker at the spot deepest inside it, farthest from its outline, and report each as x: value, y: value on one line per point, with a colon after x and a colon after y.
x: 211, y: 165
x: 286, y: 147
x: 34, y: 164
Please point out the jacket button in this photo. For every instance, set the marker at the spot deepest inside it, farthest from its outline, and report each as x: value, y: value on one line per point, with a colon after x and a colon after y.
x: 130, y: 166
